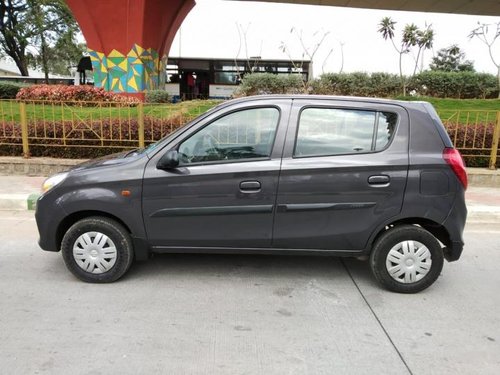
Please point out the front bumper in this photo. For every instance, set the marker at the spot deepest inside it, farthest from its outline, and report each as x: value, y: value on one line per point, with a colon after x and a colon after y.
x: 48, y: 216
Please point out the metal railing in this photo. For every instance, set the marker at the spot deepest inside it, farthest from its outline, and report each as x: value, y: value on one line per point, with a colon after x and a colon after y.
x: 91, y: 124
x: 30, y: 125
x: 475, y: 134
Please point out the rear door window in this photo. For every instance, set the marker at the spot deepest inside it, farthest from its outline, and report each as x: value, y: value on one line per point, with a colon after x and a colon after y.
x: 338, y: 131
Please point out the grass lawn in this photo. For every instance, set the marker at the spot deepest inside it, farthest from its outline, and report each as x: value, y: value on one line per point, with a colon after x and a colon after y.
x: 464, y: 111
x: 449, y: 105
x: 9, y: 110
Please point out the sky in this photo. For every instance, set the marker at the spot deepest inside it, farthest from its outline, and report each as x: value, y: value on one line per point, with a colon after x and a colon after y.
x: 211, y: 30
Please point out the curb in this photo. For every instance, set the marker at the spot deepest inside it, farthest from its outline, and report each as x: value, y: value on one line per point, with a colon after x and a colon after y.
x: 31, y: 201
x: 14, y: 201
x: 483, y: 214
x: 18, y: 202
x: 42, y: 166
x: 481, y: 177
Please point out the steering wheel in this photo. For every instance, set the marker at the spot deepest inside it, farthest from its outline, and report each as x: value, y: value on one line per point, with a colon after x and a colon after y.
x: 185, y: 157
x: 205, y: 148
x: 212, y: 141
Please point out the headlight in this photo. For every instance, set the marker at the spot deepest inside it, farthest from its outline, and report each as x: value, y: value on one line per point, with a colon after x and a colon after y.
x: 53, y: 181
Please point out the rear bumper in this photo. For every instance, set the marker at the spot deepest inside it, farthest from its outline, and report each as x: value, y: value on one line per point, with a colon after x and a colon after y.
x: 453, y: 252
x: 455, y: 224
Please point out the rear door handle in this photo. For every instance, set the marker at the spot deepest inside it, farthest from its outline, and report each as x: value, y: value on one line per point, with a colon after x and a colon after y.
x: 379, y: 180
x: 250, y: 186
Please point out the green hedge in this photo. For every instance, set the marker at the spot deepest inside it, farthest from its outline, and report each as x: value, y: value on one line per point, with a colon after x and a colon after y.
x: 9, y: 90
x: 460, y: 85
x: 357, y: 84
x: 268, y: 83
x: 157, y: 96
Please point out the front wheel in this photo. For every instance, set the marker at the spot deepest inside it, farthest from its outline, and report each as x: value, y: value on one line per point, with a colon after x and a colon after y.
x: 406, y: 259
x: 97, y: 250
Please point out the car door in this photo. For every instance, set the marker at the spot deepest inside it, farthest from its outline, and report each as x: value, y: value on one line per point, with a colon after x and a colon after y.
x: 223, y: 192
x: 344, y: 173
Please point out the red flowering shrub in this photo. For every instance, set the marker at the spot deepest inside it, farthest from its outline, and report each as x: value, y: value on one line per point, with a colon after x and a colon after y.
x: 469, y: 140
x: 92, y: 140
x: 87, y: 139
x: 71, y: 93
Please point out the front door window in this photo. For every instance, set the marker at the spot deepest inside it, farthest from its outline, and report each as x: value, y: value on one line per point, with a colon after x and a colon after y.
x: 242, y: 135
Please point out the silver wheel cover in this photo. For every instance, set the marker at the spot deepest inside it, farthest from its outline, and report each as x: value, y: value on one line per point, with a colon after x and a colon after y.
x: 94, y: 252
x: 408, y: 262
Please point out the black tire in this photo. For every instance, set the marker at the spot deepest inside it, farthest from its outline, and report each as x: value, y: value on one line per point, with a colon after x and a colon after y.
x: 392, y: 238
x: 120, y: 238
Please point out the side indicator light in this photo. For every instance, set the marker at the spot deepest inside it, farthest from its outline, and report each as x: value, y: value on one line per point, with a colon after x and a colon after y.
x: 126, y: 193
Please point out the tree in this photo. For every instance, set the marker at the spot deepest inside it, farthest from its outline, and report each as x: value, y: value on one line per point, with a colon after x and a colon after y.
x: 53, y: 39
x: 46, y: 27
x: 484, y: 34
x: 425, y: 40
x: 13, y: 35
x: 252, y: 62
x: 451, y: 59
x: 308, y: 52
x: 58, y: 59
x: 412, y: 36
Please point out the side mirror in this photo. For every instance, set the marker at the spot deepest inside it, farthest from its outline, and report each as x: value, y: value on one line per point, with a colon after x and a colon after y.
x: 170, y: 160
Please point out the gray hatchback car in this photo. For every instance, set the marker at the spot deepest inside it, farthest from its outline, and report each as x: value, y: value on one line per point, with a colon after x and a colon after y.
x: 271, y: 175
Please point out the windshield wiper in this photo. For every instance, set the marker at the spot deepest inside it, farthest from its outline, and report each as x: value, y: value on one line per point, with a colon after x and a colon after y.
x: 131, y: 152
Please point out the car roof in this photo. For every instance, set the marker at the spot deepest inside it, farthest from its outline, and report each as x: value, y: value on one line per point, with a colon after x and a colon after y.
x: 402, y: 103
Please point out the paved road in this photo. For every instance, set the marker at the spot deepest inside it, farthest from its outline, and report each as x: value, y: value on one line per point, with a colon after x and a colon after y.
x: 200, y: 314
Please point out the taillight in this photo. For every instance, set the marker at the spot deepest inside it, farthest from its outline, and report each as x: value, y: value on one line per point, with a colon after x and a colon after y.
x: 454, y: 159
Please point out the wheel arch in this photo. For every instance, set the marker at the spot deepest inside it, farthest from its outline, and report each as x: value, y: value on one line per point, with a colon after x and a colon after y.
x: 407, y: 258
x: 71, y: 219
x: 436, y: 229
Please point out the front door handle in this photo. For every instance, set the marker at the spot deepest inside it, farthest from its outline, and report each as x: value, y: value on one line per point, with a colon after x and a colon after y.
x: 379, y: 180
x: 250, y: 186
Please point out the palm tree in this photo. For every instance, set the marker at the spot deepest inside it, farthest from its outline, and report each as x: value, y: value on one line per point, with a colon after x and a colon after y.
x: 425, y: 40
x: 386, y: 28
x: 412, y: 36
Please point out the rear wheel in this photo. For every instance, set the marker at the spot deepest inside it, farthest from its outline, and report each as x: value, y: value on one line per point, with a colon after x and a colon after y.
x: 97, y: 250
x: 406, y: 259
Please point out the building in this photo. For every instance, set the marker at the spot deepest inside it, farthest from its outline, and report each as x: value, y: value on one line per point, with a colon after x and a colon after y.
x: 9, y: 72
x: 218, y: 78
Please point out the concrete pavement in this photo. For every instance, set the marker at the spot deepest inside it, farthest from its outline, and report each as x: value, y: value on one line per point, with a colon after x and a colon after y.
x: 244, y: 314
x: 217, y: 314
